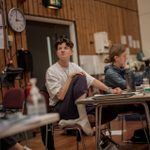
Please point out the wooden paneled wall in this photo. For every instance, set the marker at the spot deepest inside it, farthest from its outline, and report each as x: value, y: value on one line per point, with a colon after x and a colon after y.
x: 128, y: 4
x: 117, y: 17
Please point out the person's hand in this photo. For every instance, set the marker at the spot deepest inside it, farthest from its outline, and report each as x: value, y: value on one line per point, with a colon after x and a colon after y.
x: 116, y: 90
x: 75, y: 73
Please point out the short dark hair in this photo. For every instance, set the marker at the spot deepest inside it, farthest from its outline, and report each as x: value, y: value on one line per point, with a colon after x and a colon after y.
x: 115, y: 50
x: 68, y: 42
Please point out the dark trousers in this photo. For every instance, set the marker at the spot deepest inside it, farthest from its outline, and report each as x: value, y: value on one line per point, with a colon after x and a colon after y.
x: 67, y: 108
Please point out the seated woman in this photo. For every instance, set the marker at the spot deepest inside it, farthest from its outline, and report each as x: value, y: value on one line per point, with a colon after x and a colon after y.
x: 115, y: 72
x: 66, y: 83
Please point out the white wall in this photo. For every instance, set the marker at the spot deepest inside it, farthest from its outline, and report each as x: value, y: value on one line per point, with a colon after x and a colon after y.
x: 92, y: 64
x: 144, y: 16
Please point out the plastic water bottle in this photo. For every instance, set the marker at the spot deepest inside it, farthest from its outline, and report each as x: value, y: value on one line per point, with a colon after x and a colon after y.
x: 35, y: 102
x: 42, y: 105
x: 146, y: 86
x: 145, y: 82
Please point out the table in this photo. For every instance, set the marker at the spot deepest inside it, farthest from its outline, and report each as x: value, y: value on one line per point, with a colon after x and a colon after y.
x: 101, y: 101
x: 25, y: 123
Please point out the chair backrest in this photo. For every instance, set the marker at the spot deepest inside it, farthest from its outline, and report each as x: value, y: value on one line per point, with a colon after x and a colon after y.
x: 14, y: 99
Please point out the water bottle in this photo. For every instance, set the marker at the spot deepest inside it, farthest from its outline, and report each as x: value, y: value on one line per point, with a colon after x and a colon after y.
x: 130, y: 81
x: 35, y: 102
x: 42, y: 109
x: 146, y: 86
x: 145, y: 82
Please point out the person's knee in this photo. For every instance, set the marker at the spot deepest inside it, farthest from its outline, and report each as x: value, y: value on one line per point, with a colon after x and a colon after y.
x: 80, y: 85
x: 80, y: 81
x: 79, y: 78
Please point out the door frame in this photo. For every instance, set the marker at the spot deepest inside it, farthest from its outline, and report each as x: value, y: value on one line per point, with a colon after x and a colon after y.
x: 72, y: 31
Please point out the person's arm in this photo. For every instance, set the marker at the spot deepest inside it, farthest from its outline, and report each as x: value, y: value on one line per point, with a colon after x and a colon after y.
x: 62, y: 92
x: 105, y: 88
x: 54, y: 87
x: 114, y: 79
x: 100, y: 85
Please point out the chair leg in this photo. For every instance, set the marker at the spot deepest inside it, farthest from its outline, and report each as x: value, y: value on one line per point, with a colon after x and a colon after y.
x: 46, y: 138
x: 144, y: 131
x: 109, y: 129
x: 80, y: 138
x: 122, y: 118
x: 49, y: 128
x: 122, y: 126
x: 26, y: 138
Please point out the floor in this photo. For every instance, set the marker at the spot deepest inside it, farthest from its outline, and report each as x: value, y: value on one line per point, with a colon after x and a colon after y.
x: 65, y: 142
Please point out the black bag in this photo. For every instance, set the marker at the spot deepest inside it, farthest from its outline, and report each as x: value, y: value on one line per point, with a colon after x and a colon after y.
x: 24, y: 60
x: 139, y: 136
x: 108, y: 144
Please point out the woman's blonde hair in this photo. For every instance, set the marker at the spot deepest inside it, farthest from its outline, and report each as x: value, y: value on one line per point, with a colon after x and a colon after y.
x: 115, y: 50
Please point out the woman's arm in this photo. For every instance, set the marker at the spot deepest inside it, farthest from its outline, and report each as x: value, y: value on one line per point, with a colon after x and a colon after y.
x: 113, y: 79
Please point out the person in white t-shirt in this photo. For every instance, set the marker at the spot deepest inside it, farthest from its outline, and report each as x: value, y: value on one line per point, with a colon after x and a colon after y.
x: 66, y: 83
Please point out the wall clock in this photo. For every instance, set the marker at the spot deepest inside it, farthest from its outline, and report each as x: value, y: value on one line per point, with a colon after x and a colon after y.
x: 16, y: 20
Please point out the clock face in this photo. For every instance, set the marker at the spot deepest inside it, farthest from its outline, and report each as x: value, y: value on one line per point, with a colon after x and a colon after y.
x: 16, y: 19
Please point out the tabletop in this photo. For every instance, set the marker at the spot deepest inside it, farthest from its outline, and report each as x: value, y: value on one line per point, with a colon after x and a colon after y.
x: 24, y: 123
x: 111, y: 99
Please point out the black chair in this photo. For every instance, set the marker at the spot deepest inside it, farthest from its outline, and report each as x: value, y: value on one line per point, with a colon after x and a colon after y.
x: 78, y: 132
x: 47, y: 131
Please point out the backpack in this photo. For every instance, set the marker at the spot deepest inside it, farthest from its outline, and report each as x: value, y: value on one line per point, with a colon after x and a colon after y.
x: 139, y: 136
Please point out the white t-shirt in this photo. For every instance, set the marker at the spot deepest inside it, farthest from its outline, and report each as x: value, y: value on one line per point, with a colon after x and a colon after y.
x: 56, y: 76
